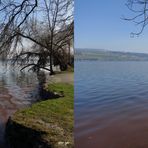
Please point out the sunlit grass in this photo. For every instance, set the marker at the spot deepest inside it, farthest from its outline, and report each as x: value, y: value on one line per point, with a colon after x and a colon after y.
x: 53, y: 116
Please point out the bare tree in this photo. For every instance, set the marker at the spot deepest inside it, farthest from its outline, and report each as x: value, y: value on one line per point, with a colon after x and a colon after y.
x: 13, y: 15
x: 48, y: 25
x: 139, y: 9
x: 62, y: 54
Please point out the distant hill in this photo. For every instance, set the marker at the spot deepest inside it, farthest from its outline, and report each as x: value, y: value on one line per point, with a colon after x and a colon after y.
x: 106, y: 55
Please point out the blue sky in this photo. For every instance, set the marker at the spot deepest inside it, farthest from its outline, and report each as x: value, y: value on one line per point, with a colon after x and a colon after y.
x: 98, y: 24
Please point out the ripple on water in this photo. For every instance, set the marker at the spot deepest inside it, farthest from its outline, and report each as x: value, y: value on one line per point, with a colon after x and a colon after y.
x: 111, y: 104
x: 16, y: 91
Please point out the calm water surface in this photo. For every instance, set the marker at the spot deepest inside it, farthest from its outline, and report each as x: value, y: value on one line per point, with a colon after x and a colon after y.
x: 17, y: 90
x: 111, y: 104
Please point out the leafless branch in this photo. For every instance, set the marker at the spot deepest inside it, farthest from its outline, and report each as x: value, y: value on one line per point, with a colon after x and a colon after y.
x: 140, y: 10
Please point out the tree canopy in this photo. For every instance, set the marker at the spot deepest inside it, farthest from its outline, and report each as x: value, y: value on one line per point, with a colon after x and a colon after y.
x: 36, y: 33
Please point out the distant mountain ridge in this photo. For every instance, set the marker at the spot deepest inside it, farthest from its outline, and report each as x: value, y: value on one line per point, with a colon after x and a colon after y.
x: 107, y: 55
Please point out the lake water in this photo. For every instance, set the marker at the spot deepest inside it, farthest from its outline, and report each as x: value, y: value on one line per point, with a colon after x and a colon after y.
x: 17, y: 90
x: 20, y: 89
x: 111, y: 104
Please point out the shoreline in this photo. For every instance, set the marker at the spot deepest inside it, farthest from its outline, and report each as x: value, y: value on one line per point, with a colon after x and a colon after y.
x: 32, y: 121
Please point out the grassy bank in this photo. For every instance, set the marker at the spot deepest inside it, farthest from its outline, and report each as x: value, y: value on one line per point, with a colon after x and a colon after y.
x: 69, y: 70
x: 47, y: 123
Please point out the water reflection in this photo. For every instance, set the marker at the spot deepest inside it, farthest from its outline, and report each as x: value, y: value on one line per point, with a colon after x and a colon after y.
x: 17, y: 90
x: 41, y: 80
x: 21, y: 89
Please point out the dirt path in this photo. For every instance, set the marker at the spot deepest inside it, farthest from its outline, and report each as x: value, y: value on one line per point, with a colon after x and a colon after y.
x: 62, y: 78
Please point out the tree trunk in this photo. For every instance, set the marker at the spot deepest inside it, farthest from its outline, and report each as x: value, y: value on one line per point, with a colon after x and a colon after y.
x: 51, y: 53
x: 69, y: 54
x: 51, y: 65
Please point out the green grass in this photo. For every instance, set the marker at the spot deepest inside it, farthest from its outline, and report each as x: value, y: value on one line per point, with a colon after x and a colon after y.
x: 54, y: 117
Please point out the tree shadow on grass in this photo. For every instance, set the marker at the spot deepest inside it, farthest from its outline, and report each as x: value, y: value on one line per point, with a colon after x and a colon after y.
x: 19, y: 136
x: 43, y: 93
x: 3, y: 143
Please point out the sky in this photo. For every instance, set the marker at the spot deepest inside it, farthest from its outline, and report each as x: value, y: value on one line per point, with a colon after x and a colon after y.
x: 98, y: 25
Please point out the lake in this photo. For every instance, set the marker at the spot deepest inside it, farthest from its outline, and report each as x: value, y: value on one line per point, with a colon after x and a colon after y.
x: 17, y: 90
x: 21, y: 89
x: 111, y: 104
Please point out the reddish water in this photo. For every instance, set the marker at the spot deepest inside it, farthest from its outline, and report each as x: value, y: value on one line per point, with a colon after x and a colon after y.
x: 111, y: 104
x: 7, y: 107
x: 17, y: 90
x: 119, y: 134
